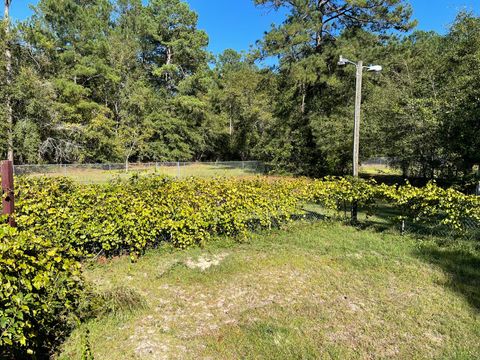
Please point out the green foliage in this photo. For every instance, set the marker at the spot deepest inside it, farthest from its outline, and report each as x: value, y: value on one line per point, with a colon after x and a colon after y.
x: 460, y: 131
x: 126, y: 80
x: 86, y: 347
x: 444, y: 206
x: 40, y: 290
x: 242, y: 100
x: 430, y: 204
x: 130, y: 216
x: 98, y: 80
x: 314, y: 110
x: 176, y: 48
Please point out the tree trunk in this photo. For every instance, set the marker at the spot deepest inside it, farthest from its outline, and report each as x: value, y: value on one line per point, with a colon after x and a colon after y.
x: 168, y: 62
x: 8, y: 62
x: 304, y: 97
x: 231, y: 120
x: 169, y: 56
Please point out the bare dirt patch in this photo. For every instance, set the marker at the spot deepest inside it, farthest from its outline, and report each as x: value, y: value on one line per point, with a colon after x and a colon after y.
x: 205, y: 262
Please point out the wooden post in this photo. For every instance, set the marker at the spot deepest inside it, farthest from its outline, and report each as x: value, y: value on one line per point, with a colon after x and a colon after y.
x: 8, y: 200
x: 356, y: 133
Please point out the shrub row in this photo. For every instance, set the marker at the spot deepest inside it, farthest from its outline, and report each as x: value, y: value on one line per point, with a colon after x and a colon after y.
x: 129, y: 216
x: 430, y: 204
x: 134, y: 215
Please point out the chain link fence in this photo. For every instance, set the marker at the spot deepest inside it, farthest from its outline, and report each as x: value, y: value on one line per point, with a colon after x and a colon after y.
x: 99, y: 173
x: 435, y: 227
x: 381, y: 161
x: 385, y: 216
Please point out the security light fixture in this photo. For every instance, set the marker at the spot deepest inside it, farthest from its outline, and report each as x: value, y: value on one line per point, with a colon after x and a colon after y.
x: 375, y: 68
x: 344, y: 61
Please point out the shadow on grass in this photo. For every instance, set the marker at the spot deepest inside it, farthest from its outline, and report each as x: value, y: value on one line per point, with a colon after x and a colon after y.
x: 463, y: 267
x: 383, y: 218
x: 458, y: 255
x: 310, y: 215
x: 388, y: 217
x: 251, y: 168
x: 392, y: 179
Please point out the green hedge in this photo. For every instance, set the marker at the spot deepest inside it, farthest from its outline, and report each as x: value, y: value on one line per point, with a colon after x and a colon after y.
x: 130, y: 216
x: 134, y: 215
x: 426, y: 205
x: 40, y: 290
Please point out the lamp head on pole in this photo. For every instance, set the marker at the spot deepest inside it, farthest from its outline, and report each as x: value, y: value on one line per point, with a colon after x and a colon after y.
x: 342, y: 61
x: 375, y: 68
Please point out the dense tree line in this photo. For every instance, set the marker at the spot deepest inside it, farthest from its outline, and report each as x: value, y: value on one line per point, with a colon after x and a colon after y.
x: 124, y: 80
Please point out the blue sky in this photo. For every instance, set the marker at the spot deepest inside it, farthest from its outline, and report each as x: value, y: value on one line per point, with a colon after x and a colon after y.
x: 237, y: 23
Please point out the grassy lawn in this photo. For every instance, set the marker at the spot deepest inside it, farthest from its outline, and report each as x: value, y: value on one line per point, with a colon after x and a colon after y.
x: 87, y: 175
x: 379, y: 170
x: 310, y: 291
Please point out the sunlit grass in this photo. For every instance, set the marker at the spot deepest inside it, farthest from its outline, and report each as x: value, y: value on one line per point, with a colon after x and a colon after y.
x: 311, y: 291
x: 373, y: 170
x: 87, y: 175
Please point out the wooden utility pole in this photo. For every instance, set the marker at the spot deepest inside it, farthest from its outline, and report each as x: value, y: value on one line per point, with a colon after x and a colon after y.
x: 356, y: 133
x: 8, y: 65
x: 8, y: 200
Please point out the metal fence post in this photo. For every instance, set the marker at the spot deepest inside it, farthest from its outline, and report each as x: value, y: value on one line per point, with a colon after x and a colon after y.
x: 477, y: 192
x: 178, y: 169
x: 8, y: 198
